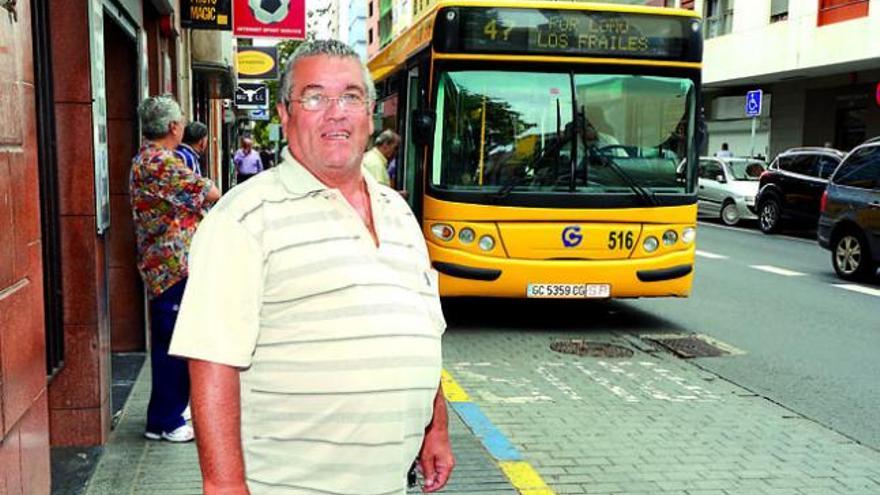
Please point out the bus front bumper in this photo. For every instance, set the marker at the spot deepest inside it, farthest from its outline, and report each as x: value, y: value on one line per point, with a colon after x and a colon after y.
x: 467, y: 274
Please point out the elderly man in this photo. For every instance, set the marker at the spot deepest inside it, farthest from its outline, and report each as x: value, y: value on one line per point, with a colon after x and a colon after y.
x: 247, y: 161
x: 376, y: 160
x: 167, y: 200
x: 312, y: 318
x: 195, y: 142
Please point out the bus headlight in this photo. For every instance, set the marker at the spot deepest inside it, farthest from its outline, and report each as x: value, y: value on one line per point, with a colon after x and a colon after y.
x: 670, y: 237
x: 467, y: 235
x: 443, y: 231
x: 688, y: 235
x: 650, y: 244
x: 487, y: 243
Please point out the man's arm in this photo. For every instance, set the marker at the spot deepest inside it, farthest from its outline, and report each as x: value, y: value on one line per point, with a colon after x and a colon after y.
x: 435, y: 456
x: 216, y: 405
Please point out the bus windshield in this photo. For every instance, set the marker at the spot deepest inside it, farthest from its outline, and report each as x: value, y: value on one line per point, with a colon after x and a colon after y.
x: 505, y: 132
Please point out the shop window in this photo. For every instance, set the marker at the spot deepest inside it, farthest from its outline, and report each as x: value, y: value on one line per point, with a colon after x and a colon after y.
x: 831, y: 11
x: 719, y: 17
x: 778, y: 10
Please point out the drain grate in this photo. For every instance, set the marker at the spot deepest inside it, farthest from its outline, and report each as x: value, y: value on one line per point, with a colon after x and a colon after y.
x: 591, y: 349
x: 690, y: 346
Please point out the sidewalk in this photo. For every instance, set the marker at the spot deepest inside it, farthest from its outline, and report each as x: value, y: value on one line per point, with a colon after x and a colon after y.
x: 649, y: 424
x: 132, y: 465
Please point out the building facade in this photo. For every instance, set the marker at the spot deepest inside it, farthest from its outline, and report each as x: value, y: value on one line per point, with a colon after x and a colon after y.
x: 354, y: 22
x: 817, y: 63
x: 71, y: 77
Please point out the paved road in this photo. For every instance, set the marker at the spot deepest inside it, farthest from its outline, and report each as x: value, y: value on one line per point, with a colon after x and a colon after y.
x: 811, y: 340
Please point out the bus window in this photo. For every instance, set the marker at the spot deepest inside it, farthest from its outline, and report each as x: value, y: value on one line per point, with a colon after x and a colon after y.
x: 498, y: 126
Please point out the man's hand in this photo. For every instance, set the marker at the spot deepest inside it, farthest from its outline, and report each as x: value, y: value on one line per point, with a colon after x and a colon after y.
x: 436, y: 459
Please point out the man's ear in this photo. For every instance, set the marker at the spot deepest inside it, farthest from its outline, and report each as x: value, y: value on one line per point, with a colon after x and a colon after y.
x: 282, y: 114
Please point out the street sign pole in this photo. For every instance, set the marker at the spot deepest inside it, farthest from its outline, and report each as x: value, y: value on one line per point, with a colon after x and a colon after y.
x: 752, y: 142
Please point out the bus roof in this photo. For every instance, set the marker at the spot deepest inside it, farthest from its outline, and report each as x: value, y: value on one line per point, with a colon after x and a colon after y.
x: 420, y: 33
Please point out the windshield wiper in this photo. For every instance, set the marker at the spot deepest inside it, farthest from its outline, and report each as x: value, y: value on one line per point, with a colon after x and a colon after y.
x: 648, y: 197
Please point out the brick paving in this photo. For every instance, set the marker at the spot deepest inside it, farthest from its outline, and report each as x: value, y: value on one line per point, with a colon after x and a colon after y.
x: 132, y: 465
x: 651, y: 424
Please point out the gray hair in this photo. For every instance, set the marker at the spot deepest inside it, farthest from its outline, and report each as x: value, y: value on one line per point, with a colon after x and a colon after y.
x: 156, y: 114
x: 332, y: 48
x: 386, y: 136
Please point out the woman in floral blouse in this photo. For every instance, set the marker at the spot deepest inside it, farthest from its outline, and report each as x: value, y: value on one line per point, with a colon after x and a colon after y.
x: 168, y: 200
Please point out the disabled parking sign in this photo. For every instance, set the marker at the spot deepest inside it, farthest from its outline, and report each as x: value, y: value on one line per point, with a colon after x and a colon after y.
x: 753, y: 103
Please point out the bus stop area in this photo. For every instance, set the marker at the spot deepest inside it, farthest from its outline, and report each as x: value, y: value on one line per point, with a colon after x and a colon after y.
x: 645, y: 422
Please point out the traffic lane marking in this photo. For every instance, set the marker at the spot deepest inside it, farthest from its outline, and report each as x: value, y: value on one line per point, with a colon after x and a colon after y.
x: 491, y: 437
x: 524, y: 478
x: 777, y: 270
x: 859, y: 288
x: 521, y: 474
x: 451, y: 390
x: 712, y: 256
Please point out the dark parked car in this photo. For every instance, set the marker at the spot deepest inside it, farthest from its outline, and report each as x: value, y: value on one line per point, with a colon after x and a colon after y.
x: 792, y: 187
x: 850, y: 222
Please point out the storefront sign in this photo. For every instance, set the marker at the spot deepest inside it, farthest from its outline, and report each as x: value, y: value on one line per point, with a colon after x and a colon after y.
x: 206, y: 14
x: 252, y: 96
x: 269, y: 18
x: 257, y: 62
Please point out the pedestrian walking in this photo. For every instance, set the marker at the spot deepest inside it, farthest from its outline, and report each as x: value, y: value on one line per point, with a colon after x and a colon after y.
x: 247, y: 161
x: 314, y: 332
x: 195, y: 142
x: 167, y: 201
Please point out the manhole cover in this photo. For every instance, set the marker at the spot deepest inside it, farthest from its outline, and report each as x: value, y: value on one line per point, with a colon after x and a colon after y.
x: 689, y: 347
x: 591, y: 349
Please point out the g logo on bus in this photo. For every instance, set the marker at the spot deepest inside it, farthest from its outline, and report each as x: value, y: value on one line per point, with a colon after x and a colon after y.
x: 571, y: 236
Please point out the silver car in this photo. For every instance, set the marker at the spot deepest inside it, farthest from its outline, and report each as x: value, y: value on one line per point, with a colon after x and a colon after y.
x: 727, y: 188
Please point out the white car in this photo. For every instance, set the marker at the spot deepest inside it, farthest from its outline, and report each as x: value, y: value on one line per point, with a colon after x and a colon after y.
x: 727, y: 188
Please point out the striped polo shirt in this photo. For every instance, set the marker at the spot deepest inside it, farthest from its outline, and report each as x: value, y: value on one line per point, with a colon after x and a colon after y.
x: 338, y: 340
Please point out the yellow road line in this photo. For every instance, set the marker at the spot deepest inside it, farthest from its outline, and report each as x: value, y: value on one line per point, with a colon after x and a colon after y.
x: 451, y: 389
x: 521, y: 474
x: 524, y: 478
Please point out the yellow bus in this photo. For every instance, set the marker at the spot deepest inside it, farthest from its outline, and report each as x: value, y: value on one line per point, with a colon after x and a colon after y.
x: 549, y: 148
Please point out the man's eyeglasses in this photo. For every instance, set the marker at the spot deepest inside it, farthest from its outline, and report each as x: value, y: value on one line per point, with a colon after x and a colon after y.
x: 318, y: 102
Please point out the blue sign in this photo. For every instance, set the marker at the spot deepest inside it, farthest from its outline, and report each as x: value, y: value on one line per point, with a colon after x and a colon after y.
x: 259, y: 114
x: 571, y: 236
x: 753, y: 103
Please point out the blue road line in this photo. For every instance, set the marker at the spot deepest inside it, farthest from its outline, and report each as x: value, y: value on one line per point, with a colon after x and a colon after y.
x: 495, y: 442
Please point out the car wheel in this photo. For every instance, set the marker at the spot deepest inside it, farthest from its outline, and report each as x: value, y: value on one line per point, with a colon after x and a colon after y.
x: 769, y: 215
x: 729, y: 213
x: 851, y: 256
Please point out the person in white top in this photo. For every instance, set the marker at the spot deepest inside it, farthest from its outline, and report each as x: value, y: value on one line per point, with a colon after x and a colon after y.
x: 724, y: 152
x: 376, y: 160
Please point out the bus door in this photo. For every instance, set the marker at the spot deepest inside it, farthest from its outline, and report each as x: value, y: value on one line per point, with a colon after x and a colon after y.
x: 410, y: 172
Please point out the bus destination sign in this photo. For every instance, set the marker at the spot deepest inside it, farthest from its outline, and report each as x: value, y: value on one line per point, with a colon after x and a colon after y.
x: 582, y: 33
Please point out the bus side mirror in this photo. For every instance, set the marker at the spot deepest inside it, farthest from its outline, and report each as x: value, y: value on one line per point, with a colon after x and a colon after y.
x: 423, y: 127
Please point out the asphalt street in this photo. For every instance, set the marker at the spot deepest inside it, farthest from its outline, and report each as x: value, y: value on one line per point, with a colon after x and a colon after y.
x: 810, y: 339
